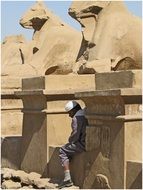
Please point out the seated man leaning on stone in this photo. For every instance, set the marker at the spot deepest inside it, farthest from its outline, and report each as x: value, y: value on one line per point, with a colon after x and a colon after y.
x: 76, y: 140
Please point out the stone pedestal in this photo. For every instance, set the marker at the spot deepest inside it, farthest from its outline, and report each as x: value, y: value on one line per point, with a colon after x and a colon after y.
x: 113, y: 136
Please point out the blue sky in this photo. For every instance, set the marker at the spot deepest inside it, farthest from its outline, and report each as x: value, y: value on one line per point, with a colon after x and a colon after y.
x: 12, y: 11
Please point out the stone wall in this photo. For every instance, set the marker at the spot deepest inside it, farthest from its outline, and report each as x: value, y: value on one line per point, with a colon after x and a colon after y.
x: 45, y: 122
x: 114, y: 116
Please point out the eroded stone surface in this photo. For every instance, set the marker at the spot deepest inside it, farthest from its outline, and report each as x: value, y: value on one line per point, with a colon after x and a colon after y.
x: 6, y: 173
x: 101, y: 182
x: 109, y: 31
x: 16, y: 55
x: 51, y: 49
x: 21, y: 175
x: 9, y: 184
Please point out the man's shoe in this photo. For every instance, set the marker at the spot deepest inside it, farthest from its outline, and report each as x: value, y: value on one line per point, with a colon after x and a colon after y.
x: 67, y: 183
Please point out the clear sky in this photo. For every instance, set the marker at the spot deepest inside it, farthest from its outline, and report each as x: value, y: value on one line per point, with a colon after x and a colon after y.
x: 12, y: 11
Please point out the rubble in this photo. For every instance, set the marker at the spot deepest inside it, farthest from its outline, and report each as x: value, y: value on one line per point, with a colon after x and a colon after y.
x: 18, y: 179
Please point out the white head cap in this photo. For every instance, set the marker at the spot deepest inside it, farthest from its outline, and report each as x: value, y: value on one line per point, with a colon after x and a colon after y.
x: 70, y: 105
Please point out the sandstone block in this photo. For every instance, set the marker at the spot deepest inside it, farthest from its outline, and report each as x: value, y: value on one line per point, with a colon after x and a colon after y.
x: 6, y: 173
x: 118, y: 79
x: 21, y: 175
x: 44, y: 184
x: 60, y: 83
x: 8, y: 184
x: 10, y: 151
x: 10, y: 126
x: 134, y: 175
x: 32, y: 177
x: 27, y: 187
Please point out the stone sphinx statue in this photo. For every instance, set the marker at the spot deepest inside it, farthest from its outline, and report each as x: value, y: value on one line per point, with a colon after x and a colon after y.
x: 110, y: 40
x: 55, y: 44
x: 111, y: 37
x: 52, y: 50
x: 15, y: 57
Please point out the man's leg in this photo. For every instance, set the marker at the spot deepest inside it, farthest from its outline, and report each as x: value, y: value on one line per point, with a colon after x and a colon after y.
x: 67, y: 151
x: 67, y: 176
x: 64, y: 156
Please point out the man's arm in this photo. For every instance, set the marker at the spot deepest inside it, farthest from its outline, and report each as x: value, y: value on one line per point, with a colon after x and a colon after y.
x: 74, y: 137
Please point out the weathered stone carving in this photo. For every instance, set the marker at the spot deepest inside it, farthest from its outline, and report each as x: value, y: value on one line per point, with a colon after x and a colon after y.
x: 55, y: 43
x: 105, y: 141
x: 53, y: 48
x: 15, y: 56
x: 109, y: 32
x: 111, y: 41
x: 101, y: 182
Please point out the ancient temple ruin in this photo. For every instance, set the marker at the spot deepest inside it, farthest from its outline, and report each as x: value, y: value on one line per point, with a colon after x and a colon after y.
x: 101, y: 67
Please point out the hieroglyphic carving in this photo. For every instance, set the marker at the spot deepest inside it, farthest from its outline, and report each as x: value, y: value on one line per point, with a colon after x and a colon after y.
x: 98, y: 137
x: 92, y: 138
x: 105, y: 141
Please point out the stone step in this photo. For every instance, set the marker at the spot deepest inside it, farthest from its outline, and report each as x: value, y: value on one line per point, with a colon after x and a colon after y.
x: 133, y: 175
x: 55, y: 169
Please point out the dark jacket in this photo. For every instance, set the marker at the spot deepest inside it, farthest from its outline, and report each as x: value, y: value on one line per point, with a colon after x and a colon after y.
x: 78, y: 125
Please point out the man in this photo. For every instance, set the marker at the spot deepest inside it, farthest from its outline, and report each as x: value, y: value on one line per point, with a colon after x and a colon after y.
x: 76, y: 140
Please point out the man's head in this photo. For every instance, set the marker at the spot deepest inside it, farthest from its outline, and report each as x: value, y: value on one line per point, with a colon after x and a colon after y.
x: 72, y: 107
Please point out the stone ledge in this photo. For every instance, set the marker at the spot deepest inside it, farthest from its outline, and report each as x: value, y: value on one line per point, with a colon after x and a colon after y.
x: 10, y: 109
x: 137, y: 117
x: 134, y: 117
x: 64, y: 91
x: 111, y: 92
x: 9, y: 94
x: 50, y: 111
x: 29, y: 92
x: 59, y: 82
x: 49, y: 92
x: 86, y: 93
x: 17, y: 135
